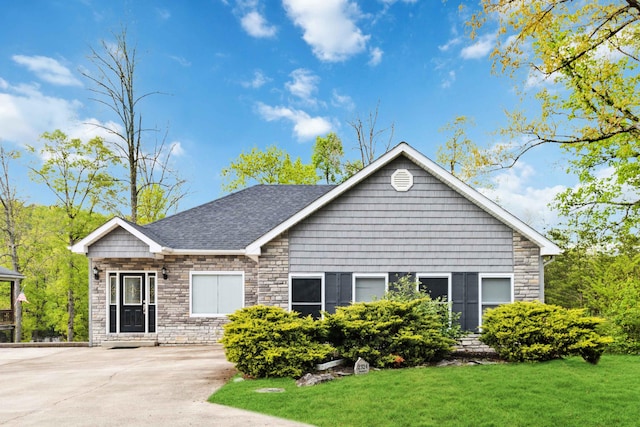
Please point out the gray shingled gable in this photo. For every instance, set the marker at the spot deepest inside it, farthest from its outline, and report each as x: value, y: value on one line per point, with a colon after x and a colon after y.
x: 233, y: 221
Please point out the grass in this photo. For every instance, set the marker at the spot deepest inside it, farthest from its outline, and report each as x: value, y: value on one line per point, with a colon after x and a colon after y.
x: 566, y: 392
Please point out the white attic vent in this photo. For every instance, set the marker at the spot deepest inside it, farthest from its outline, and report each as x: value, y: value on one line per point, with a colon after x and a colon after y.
x: 402, y: 180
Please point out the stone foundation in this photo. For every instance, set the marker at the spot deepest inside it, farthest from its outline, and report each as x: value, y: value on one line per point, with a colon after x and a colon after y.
x: 470, y: 344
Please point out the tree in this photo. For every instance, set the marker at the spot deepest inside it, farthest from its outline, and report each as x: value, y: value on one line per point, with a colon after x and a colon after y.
x: 368, y: 136
x: 580, y: 60
x: 327, y: 156
x: 11, y: 207
x: 272, y: 166
x: 115, y: 87
x: 463, y: 158
x: 76, y: 172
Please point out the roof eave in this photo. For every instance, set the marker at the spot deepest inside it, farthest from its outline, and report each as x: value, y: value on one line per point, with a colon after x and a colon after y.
x: 82, y: 247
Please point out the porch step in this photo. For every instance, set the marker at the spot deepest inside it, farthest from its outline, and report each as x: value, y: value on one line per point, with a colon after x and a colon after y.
x: 128, y: 344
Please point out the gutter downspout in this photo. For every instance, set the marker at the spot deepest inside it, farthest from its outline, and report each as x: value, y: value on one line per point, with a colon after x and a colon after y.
x: 89, y: 275
x: 543, y: 264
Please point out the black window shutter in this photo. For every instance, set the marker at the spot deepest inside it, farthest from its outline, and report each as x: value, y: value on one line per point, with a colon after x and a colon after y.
x: 465, y: 299
x: 394, y: 277
x: 471, y: 302
x: 337, y: 290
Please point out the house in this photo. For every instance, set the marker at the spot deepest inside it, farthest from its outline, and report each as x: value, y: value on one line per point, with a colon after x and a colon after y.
x: 310, y: 248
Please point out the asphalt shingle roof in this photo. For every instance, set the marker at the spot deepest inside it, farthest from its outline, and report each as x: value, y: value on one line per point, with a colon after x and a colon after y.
x: 234, y: 221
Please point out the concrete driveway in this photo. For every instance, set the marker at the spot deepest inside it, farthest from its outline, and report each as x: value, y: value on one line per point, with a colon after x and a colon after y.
x: 99, y: 387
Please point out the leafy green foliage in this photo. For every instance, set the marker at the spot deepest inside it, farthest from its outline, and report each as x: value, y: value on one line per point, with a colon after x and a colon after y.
x: 613, y: 291
x: 389, y: 333
x: 406, y: 289
x: 272, y: 166
x: 271, y: 342
x: 466, y: 160
x: 532, y: 331
x: 579, y: 62
x: 77, y: 174
x: 327, y: 156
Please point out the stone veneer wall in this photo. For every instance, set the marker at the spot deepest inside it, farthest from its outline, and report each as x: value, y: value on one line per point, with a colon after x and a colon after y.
x: 273, y: 273
x: 526, y: 269
x: 174, y: 325
x: 470, y: 344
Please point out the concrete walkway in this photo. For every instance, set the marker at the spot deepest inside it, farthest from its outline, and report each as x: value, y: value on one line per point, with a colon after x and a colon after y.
x: 159, y: 386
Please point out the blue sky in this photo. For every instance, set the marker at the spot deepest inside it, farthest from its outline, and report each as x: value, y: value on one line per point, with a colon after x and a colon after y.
x: 252, y: 73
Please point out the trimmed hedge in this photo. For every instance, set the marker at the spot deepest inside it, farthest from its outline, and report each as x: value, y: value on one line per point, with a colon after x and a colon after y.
x: 389, y: 333
x: 533, y: 331
x: 270, y: 342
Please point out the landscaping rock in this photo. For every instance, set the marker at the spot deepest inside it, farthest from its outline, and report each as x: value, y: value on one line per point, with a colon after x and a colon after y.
x: 313, y: 379
x: 270, y: 390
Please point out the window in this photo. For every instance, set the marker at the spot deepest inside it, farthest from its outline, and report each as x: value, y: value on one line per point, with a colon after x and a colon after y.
x: 152, y: 289
x: 495, y: 290
x: 437, y: 286
x: 306, y: 295
x: 113, y: 289
x: 132, y: 291
x: 216, y: 293
x: 367, y: 288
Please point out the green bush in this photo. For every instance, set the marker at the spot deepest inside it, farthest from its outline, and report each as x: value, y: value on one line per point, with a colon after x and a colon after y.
x: 405, y: 289
x: 271, y: 342
x: 533, y: 331
x: 388, y: 333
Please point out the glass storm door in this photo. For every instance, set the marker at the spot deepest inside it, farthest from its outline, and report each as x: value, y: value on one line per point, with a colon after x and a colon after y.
x: 132, y: 303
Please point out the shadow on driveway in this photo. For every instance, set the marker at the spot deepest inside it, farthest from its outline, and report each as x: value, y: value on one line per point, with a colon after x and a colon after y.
x: 100, y: 387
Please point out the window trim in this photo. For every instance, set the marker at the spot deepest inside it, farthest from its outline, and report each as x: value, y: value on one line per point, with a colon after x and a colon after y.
x: 306, y: 276
x: 356, y: 276
x: 481, y: 302
x: 118, y: 274
x: 141, y: 283
x: 212, y: 273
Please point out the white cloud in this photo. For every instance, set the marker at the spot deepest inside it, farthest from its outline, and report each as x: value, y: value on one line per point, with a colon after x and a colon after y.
x: 305, y: 127
x: 376, y: 56
x: 163, y: 14
x: 514, y: 190
x: 303, y: 85
x: 344, y: 101
x: 257, y: 26
x: 538, y: 79
x: 448, y: 80
x: 176, y: 149
x: 48, y: 69
x: 26, y: 113
x: 181, y: 60
x: 479, y: 49
x: 328, y: 27
x: 449, y: 44
x: 259, y: 80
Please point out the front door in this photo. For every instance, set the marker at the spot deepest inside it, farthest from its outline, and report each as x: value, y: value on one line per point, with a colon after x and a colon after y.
x: 132, y: 303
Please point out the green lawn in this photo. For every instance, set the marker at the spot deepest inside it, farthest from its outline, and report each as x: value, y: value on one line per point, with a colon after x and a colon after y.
x: 567, y: 392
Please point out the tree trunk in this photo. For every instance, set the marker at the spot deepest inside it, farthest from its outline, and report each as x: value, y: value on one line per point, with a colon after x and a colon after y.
x: 72, y: 314
x: 17, y: 332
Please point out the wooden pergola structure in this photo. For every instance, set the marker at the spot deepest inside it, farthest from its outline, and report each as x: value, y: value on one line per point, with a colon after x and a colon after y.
x: 9, y: 316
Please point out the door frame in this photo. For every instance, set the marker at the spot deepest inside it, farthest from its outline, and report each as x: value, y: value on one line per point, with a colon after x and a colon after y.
x: 119, y: 274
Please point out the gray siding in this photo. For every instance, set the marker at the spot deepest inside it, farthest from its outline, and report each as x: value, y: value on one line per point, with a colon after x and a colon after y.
x: 373, y: 228
x: 119, y: 244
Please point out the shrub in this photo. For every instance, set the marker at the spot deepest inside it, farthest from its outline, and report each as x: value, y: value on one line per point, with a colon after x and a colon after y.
x: 533, y: 331
x: 406, y: 289
x: 388, y: 333
x: 271, y: 342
